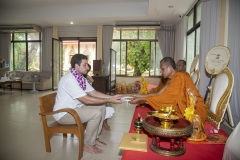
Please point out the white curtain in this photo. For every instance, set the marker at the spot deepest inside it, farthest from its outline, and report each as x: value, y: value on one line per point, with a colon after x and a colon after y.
x: 180, y: 39
x: 107, y: 43
x: 209, y: 22
x: 234, y: 46
x: 166, y: 39
x: 47, y: 36
x: 5, y: 44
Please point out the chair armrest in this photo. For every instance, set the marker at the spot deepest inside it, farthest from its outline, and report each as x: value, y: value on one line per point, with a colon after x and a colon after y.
x: 68, y: 110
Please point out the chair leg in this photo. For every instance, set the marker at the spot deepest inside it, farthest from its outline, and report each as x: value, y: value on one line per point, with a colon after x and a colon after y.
x: 47, y: 142
x: 80, y: 153
x: 64, y: 135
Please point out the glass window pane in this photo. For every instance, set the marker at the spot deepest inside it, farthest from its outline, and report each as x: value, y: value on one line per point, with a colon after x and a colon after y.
x: 34, y: 56
x: 116, y: 47
x: 88, y: 49
x: 33, y: 36
x: 198, y: 43
x: 146, y: 34
x: 129, y: 34
x: 152, y: 59
x: 20, y: 56
x: 138, y: 58
x: 190, y: 20
x: 19, y: 36
x: 123, y: 57
x: 116, y: 34
x: 199, y: 8
x: 190, y: 50
x: 159, y: 57
x: 70, y: 48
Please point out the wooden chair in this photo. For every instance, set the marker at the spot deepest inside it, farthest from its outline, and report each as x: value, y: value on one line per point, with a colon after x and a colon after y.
x: 195, y: 75
x: 46, y: 108
x: 218, y: 98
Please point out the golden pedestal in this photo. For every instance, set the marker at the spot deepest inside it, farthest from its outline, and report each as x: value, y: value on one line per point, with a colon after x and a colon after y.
x: 173, y: 134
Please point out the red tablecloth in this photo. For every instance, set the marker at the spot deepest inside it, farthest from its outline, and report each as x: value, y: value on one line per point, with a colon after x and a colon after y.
x: 193, y: 151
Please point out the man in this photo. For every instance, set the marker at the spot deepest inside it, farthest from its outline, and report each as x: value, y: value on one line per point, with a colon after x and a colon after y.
x: 175, y: 93
x: 181, y: 67
x: 75, y: 92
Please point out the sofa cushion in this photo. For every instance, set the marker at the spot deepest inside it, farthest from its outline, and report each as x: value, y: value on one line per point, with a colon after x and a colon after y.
x: 26, y: 78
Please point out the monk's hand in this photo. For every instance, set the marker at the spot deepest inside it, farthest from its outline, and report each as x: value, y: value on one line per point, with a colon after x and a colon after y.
x: 136, y: 100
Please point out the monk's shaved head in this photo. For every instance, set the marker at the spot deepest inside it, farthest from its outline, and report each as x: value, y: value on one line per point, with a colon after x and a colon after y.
x: 168, y: 61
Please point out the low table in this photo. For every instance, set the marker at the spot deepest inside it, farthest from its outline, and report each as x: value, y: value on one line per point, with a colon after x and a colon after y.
x: 4, y: 83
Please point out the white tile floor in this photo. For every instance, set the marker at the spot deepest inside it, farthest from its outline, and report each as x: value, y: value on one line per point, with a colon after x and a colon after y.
x: 21, y: 135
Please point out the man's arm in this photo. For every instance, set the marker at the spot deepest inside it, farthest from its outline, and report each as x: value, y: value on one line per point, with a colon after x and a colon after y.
x: 90, y: 100
x: 95, y: 93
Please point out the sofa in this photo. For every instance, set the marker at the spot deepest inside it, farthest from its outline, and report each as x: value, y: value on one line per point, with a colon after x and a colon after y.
x: 43, y: 79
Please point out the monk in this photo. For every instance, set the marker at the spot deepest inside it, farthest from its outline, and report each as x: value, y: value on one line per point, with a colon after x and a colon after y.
x: 181, y: 67
x: 175, y: 92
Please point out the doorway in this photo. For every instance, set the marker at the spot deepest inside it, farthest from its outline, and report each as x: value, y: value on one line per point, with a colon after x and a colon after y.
x: 72, y: 47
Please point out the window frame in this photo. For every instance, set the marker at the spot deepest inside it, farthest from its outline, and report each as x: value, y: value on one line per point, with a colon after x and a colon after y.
x: 194, y: 29
x: 26, y: 41
x: 150, y: 40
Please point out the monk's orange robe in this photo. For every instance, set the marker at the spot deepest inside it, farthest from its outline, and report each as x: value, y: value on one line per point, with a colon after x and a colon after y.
x: 176, y: 95
x: 161, y: 84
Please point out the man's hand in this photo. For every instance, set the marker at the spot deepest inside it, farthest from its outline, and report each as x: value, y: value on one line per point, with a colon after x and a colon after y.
x: 115, y: 99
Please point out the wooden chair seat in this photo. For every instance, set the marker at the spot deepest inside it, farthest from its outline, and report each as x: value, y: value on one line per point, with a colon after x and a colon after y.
x: 46, y: 109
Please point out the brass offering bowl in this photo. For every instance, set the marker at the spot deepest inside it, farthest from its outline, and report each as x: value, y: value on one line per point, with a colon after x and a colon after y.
x: 162, y: 110
x: 166, y: 120
x: 167, y: 110
x: 151, y: 113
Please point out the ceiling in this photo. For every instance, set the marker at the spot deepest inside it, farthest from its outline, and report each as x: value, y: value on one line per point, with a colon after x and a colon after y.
x: 46, y: 13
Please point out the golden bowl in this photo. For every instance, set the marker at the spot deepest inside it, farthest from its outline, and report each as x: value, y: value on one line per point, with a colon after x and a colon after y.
x: 164, y: 116
x: 151, y: 113
x: 166, y: 119
x: 167, y: 109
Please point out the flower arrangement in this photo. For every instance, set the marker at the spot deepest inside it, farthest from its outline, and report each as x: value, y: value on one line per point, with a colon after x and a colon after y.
x: 189, y: 111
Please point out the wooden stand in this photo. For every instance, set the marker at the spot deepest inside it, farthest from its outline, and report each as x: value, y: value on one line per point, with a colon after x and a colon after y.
x: 101, y: 83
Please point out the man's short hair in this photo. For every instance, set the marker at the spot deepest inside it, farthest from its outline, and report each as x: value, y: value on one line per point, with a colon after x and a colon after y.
x: 89, y: 66
x: 77, y: 59
x: 169, y: 61
x: 184, y: 62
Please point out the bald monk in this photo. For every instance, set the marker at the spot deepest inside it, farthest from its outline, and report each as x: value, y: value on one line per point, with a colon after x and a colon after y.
x: 175, y: 92
x: 181, y: 67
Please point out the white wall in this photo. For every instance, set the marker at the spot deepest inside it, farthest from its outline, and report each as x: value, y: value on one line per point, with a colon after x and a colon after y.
x: 78, y: 31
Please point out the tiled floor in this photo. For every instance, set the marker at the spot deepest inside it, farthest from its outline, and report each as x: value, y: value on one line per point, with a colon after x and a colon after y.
x: 21, y: 135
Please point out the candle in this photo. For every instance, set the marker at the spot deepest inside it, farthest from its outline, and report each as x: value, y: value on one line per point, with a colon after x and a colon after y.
x: 139, y: 118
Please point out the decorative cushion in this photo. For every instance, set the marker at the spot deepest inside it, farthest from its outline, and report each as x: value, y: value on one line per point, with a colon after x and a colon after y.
x: 26, y: 78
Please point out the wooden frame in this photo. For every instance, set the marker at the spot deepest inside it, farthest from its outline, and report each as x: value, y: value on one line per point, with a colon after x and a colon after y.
x: 219, y: 96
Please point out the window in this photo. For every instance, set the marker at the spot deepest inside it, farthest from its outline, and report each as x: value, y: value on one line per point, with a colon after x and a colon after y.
x: 193, y: 34
x: 26, y: 51
x: 138, y: 52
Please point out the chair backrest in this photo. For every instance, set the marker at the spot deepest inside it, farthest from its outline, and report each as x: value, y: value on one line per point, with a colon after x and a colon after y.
x: 47, y: 102
x: 195, y: 77
x: 219, y: 96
